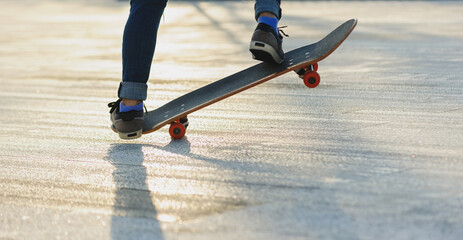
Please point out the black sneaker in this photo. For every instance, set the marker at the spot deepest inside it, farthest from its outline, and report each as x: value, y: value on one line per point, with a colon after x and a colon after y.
x: 266, y: 44
x: 129, y: 125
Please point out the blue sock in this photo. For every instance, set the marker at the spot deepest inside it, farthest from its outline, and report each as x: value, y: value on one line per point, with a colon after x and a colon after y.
x: 123, y: 108
x: 271, y: 21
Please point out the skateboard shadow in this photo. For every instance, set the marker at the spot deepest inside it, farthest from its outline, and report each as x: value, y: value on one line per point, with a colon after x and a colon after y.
x: 133, y: 199
x: 183, y: 147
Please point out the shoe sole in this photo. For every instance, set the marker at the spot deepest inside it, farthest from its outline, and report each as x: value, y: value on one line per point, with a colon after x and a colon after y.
x: 129, y: 135
x: 264, y: 52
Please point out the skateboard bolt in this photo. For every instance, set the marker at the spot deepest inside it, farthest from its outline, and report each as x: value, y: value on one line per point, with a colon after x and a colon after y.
x: 177, y: 131
x: 312, y: 80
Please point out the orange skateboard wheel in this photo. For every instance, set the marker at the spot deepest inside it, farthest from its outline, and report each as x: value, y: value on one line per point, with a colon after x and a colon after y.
x: 311, y: 79
x: 177, y: 130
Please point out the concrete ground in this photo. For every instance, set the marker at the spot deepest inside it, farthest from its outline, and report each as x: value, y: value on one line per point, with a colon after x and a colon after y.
x: 375, y: 152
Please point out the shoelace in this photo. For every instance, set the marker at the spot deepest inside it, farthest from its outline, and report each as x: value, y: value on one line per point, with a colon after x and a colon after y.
x: 282, y: 32
x: 114, y: 105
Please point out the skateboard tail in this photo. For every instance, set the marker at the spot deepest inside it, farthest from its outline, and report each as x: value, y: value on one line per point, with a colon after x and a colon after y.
x: 323, y: 48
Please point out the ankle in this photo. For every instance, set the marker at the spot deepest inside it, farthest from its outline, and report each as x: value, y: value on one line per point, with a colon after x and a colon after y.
x: 271, y: 21
x: 130, y: 102
x: 267, y: 14
x: 133, y: 105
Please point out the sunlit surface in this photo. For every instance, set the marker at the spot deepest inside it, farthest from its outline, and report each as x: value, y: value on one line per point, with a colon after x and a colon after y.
x: 374, y: 152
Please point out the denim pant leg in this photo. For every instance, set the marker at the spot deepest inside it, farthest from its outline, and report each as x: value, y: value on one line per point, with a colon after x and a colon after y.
x: 138, y: 46
x: 272, y: 6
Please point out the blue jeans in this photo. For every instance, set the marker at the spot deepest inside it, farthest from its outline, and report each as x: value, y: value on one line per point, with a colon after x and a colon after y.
x: 139, y: 42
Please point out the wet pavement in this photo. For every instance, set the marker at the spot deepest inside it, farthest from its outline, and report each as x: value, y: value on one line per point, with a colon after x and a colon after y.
x: 374, y: 152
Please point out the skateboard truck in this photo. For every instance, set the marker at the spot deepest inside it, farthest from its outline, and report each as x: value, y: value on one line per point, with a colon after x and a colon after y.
x: 309, y: 75
x: 178, y: 128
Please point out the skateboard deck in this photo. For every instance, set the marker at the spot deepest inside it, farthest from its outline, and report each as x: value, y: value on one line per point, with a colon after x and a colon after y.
x: 302, y: 60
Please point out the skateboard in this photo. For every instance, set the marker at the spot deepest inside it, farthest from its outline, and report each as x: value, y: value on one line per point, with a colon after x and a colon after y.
x: 303, y: 61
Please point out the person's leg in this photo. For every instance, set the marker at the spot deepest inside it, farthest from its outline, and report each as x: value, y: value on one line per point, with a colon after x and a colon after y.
x: 269, y: 8
x: 266, y: 42
x: 138, y: 46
